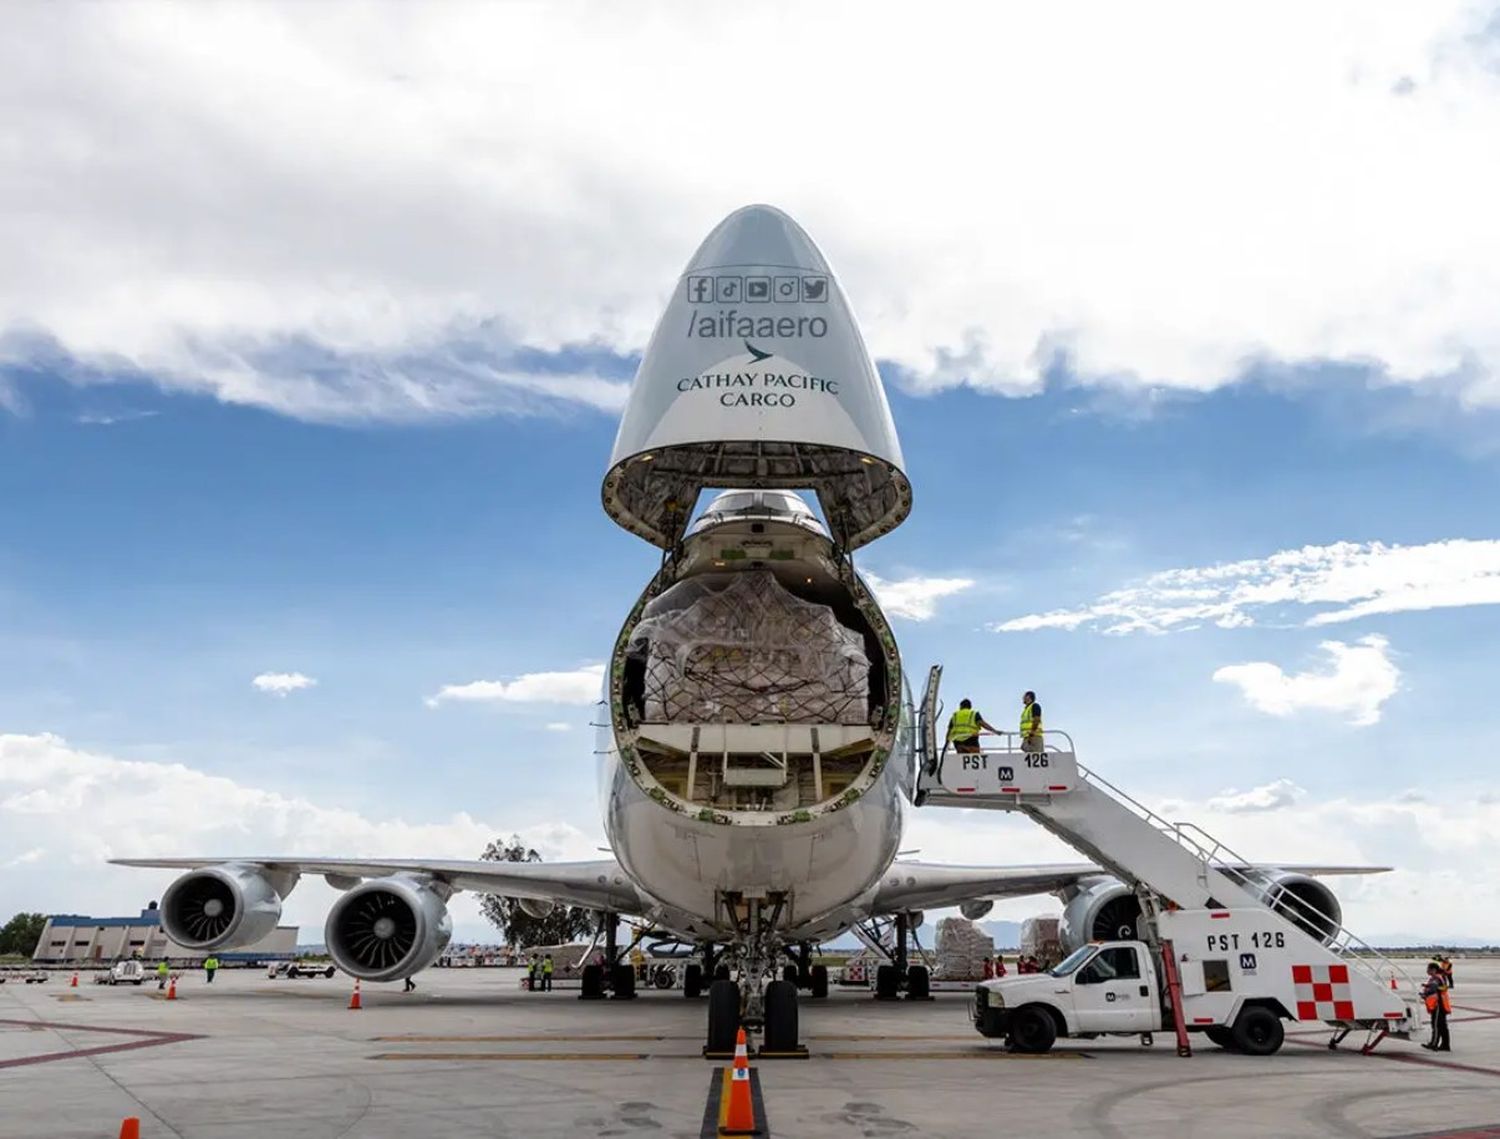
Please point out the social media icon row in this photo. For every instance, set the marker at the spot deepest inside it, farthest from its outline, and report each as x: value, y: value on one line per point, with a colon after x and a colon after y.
x: 809, y: 289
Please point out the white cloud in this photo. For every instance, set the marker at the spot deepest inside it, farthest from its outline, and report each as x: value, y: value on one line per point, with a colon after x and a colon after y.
x: 915, y: 598
x: 1273, y: 796
x: 581, y: 686
x: 1342, y: 582
x: 559, y: 726
x: 337, y: 216
x: 1360, y: 678
x: 141, y: 809
x: 282, y: 683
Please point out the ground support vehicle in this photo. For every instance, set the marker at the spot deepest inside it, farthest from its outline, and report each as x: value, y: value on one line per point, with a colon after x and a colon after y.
x: 1221, y: 951
x: 299, y: 969
x: 130, y: 972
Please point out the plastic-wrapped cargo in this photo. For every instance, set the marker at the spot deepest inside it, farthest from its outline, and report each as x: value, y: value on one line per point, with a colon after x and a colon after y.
x: 961, y: 950
x: 742, y: 648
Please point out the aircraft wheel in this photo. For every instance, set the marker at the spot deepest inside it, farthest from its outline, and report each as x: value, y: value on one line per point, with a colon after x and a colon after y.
x: 723, y: 1016
x: 819, y: 982
x: 789, y: 973
x: 918, y: 987
x: 624, y: 982
x: 1258, y: 1031
x: 887, y: 983
x: 692, y: 982
x: 593, y: 983
x: 721, y: 972
x: 781, y: 1017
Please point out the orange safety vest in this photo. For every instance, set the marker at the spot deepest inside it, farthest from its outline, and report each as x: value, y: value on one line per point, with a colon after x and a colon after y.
x: 1441, y: 994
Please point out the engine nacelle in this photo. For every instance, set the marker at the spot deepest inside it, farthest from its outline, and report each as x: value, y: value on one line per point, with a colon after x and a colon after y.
x: 1305, y: 902
x: 975, y: 910
x: 223, y: 907
x: 388, y: 928
x: 538, y: 908
x: 1104, y: 909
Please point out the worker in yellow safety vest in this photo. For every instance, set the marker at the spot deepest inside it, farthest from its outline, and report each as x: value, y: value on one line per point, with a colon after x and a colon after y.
x: 210, y: 967
x: 1031, y: 723
x: 547, y: 973
x: 964, y: 727
x: 162, y: 970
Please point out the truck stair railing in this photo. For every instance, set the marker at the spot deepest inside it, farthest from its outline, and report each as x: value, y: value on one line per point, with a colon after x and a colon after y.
x: 1213, y: 853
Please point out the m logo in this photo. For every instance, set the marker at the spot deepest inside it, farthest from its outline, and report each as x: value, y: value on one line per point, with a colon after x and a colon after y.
x: 1247, y: 962
x: 1007, y: 774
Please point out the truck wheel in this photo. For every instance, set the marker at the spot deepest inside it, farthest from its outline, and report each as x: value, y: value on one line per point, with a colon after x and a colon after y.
x: 138, y: 982
x: 1258, y: 1031
x: 1032, y: 1030
x: 723, y: 1016
x: 328, y: 972
x: 692, y: 981
x: 819, y: 982
x: 1221, y: 1035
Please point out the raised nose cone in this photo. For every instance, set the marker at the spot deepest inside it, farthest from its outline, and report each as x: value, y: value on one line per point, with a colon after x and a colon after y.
x: 757, y: 376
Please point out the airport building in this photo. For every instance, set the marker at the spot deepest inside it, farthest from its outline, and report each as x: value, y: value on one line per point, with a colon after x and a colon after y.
x: 74, y: 939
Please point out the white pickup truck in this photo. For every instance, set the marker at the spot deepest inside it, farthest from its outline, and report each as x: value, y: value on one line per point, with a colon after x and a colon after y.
x: 1240, y: 976
x: 129, y: 972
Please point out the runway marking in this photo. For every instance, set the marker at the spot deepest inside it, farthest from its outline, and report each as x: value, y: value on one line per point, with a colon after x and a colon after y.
x: 520, y: 1038
x: 147, y: 1039
x: 1481, y: 1132
x: 981, y: 1054
x: 1409, y: 1058
x: 502, y: 1056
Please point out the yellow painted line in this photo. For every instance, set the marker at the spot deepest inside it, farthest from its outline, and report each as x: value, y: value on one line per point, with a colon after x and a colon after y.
x: 534, y: 1037
x: 469, y: 1057
x: 959, y: 1038
x: 724, y: 1078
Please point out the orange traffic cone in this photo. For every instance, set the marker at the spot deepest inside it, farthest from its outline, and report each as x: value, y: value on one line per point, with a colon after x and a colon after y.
x: 130, y: 1128
x: 172, y: 988
x: 354, y: 1001
x: 74, y: 983
x: 738, y: 1116
x: 1393, y: 982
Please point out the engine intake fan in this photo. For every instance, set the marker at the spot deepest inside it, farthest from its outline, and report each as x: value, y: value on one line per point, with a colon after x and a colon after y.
x: 388, y: 928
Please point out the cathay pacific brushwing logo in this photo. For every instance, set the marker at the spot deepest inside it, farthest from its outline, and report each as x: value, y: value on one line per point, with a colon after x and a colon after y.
x: 756, y: 355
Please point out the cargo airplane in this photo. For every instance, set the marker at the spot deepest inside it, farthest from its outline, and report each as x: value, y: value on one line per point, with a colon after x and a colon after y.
x: 760, y: 741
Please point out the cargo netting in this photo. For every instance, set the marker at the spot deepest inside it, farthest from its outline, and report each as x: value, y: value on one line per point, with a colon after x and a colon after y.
x: 741, y: 648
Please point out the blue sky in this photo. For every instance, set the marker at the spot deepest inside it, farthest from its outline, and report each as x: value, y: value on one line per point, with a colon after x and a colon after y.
x: 315, y: 327
x: 153, y: 565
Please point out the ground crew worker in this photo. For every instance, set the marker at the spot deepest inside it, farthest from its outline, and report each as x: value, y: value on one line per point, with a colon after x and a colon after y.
x: 161, y: 974
x: 1447, y: 971
x: 210, y: 967
x: 999, y: 964
x: 964, y: 727
x: 1031, y: 723
x: 534, y: 973
x: 638, y: 962
x: 547, y: 974
x: 1435, y: 993
x: 409, y: 985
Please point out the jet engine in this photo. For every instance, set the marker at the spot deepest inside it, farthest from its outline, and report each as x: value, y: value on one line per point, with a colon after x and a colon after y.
x: 388, y: 928
x: 1103, y: 909
x: 1305, y: 902
x: 975, y: 910
x: 539, y: 908
x: 223, y: 907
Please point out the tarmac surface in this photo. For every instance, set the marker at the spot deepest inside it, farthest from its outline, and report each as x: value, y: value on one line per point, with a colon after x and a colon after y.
x: 469, y: 1054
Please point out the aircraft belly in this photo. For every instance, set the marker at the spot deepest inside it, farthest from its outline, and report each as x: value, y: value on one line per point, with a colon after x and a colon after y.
x: 684, y: 863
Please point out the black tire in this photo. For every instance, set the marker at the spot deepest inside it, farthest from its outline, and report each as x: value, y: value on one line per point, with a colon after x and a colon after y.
x: 328, y: 972
x: 721, y: 973
x: 819, y: 982
x: 624, y: 981
x: 723, y: 1016
x: 1031, y: 1029
x: 138, y: 984
x: 1258, y: 1031
x: 663, y: 977
x: 887, y: 983
x: 789, y: 973
x: 918, y: 983
x: 692, y: 982
x: 1222, y: 1035
x: 593, y: 983
x: 781, y: 1017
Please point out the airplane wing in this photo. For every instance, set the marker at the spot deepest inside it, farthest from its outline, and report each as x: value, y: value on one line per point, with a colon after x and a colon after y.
x: 928, y: 885
x: 600, y: 885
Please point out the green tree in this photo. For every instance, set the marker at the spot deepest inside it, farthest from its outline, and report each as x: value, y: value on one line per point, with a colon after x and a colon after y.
x: 520, y: 929
x: 20, y: 935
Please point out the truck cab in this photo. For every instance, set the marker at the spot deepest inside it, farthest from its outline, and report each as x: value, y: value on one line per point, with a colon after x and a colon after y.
x: 1105, y: 987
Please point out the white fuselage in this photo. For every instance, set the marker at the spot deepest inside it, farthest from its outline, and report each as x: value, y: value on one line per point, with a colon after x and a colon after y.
x: 829, y: 866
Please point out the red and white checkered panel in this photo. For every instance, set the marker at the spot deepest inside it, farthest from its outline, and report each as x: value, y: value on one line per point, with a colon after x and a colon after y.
x: 1323, y: 992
